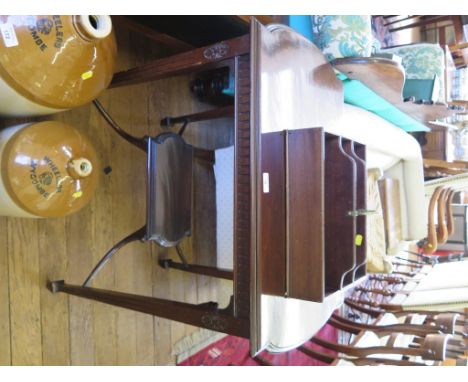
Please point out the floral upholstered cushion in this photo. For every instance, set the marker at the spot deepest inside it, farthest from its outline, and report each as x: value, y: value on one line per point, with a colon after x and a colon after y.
x: 342, y: 36
x: 422, y: 62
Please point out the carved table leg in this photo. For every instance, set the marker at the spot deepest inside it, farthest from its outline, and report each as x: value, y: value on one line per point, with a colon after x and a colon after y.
x: 205, y: 315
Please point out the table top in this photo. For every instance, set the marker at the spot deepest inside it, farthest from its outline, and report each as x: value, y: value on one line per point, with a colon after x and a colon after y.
x: 293, y: 87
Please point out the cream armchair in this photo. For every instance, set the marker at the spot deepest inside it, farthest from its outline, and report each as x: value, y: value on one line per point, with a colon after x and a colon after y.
x: 397, y: 155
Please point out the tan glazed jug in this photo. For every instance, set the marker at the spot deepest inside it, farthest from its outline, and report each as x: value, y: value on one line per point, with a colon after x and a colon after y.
x: 48, y: 169
x: 53, y: 63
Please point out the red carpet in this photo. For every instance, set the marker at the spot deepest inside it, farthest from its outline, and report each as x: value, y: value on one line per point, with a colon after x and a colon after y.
x: 441, y: 252
x: 235, y: 351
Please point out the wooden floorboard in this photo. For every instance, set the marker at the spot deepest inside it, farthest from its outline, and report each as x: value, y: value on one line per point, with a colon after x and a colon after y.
x: 5, y: 343
x: 159, y: 107
x: 127, y: 178
x: 80, y: 249
x: 37, y: 327
x: 142, y: 260
x: 104, y: 323
x: 162, y: 327
x: 25, y: 291
x: 54, y: 311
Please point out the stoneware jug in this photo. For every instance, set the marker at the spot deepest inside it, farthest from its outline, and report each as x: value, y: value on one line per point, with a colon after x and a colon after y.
x: 48, y: 169
x: 53, y: 63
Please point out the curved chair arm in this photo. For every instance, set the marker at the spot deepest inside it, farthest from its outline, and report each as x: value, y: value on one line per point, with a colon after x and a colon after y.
x: 442, y: 232
x: 450, y: 222
x: 431, y: 245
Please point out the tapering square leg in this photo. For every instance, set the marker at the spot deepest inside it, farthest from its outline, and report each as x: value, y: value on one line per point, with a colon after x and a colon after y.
x: 205, y: 315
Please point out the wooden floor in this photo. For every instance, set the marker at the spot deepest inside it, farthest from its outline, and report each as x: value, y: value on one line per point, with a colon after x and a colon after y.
x: 41, y: 328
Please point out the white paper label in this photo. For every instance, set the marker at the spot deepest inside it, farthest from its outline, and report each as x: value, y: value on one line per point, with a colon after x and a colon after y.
x: 266, y: 183
x: 9, y: 35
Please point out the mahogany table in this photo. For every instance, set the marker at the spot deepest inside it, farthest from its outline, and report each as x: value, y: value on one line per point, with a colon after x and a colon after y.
x: 299, y: 234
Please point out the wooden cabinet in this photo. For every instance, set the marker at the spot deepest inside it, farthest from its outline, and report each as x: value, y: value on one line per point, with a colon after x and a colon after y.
x: 313, y: 233
x: 437, y: 142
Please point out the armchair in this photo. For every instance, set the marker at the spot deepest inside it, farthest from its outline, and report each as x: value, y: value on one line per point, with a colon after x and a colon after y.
x: 398, y: 155
x: 351, y: 36
x: 422, y: 62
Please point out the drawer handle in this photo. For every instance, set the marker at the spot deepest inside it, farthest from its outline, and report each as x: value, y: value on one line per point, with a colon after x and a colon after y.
x: 362, y: 212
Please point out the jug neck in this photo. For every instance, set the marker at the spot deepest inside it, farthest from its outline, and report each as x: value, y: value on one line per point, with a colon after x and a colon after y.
x: 79, y: 168
x: 93, y: 27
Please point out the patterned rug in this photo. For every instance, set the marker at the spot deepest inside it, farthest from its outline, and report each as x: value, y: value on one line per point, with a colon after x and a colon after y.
x: 234, y: 351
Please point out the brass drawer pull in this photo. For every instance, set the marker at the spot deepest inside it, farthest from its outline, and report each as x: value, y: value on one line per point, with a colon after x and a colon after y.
x: 362, y: 212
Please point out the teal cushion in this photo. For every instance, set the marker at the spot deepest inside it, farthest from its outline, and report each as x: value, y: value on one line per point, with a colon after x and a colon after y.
x: 420, y: 89
x: 301, y: 24
x: 357, y: 94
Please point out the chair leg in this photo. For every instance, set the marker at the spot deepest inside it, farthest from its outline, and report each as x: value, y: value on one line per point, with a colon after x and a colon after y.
x: 262, y: 361
x: 321, y: 356
x: 369, y: 361
x: 205, y: 155
x: 221, y: 112
x: 368, y: 351
x: 205, y: 315
x: 137, y: 235
x: 374, y: 313
x: 421, y: 23
x: 180, y: 253
x: 387, y: 279
x: 379, y: 308
x: 383, y: 292
x: 342, y: 323
x: 139, y: 142
x: 399, y: 20
x: 198, y: 269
